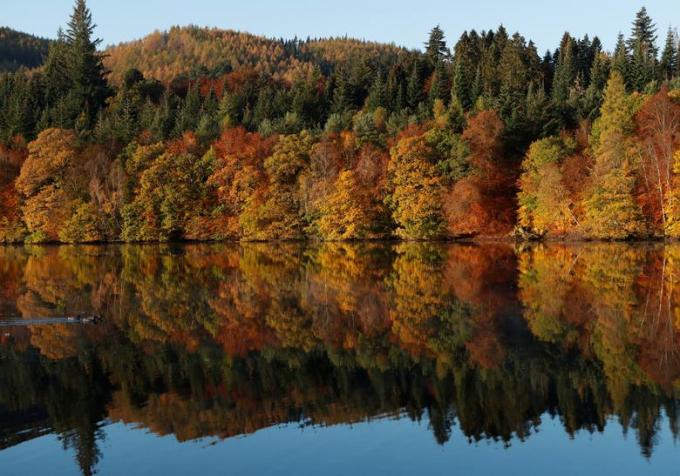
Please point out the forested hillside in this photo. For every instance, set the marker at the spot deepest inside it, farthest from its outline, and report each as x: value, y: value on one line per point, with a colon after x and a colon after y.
x: 197, y: 52
x: 210, y: 134
x: 21, y: 50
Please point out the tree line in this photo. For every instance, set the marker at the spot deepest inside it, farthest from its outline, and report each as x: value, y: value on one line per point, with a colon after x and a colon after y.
x: 337, y: 139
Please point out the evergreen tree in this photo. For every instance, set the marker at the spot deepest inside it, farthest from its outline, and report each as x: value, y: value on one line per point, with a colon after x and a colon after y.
x: 414, y: 90
x: 643, y: 51
x: 621, y: 59
x: 461, y: 86
x: 377, y: 95
x: 190, y: 110
x: 643, y: 33
x: 439, y: 84
x: 599, y: 73
x: 57, y: 82
x: 565, y: 70
x: 669, y: 57
x: 435, y: 48
x: 88, y: 86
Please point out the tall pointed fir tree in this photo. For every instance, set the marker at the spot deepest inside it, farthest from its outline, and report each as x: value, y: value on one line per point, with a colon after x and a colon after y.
x: 668, y: 65
x: 642, y: 45
x: 435, y: 48
x: 621, y: 59
x: 89, y: 88
x: 565, y: 70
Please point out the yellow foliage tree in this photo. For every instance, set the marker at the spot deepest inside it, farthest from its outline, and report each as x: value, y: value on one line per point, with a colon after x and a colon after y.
x: 544, y: 204
x: 610, y: 208
x: 673, y: 203
x: 416, y: 190
x: 347, y: 212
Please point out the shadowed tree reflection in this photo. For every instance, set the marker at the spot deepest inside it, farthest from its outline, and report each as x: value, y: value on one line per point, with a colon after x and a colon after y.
x: 213, y: 341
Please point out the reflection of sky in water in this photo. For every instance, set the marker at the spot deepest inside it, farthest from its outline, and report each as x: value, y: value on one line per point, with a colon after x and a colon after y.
x: 387, y: 446
x: 289, y: 343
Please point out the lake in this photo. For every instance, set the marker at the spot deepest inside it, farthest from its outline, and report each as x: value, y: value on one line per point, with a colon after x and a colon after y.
x: 338, y: 358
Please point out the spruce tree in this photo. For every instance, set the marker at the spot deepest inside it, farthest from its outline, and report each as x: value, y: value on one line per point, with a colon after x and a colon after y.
x: 57, y: 82
x: 414, y: 89
x: 669, y: 57
x: 88, y: 86
x: 643, y: 51
x: 461, y: 85
x: 377, y: 95
x: 565, y: 71
x: 621, y: 59
x: 439, y: 88
x: 644, y: 33
x: 435, y: 48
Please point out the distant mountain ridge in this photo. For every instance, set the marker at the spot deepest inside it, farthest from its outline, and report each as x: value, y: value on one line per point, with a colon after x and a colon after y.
x: 18, y: 49
x: 197, y: 51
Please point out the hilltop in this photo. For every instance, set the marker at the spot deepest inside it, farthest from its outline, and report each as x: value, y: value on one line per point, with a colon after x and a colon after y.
x: 195, y: 51
x: 18, y: 49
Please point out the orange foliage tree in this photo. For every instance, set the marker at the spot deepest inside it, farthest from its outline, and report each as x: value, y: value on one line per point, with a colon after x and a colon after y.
x: 41, y: 181
x: 482, y: 203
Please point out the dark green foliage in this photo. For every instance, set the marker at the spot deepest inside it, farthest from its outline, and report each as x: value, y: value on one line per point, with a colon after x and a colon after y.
x: 435, y: 48
x: 21, y: 50
x: 668, y: 66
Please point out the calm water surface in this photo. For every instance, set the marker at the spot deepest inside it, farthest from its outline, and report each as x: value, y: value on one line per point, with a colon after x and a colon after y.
x: 341, y: 359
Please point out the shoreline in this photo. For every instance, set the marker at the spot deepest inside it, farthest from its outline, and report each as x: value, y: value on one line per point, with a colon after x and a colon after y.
x: 468, y: 241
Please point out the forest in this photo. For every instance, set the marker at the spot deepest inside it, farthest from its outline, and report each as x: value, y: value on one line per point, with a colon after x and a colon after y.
x: 207, y: 134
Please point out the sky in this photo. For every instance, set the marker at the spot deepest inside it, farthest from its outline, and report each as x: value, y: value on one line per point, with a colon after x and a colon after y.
x: 405, y: 23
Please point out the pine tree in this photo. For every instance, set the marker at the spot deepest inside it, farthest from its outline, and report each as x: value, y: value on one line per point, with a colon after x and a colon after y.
x: 669, y: 57
x: 190, y: 110
x: 414, y: 89
x: 621, y: 59
x: 56, y: 73
x: 461, y: 86
x: 435, y: 48
x: 439, y: 85
x: 377, y: 95
x: 599, y: 72
x: 565, y: 71
x: 89, y: 89
x: 644, y: 32
x: 643, y: 50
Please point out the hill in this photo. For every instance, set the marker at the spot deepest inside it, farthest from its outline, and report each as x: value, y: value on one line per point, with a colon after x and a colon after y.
x: 19, y: 49
x: 196, y: 51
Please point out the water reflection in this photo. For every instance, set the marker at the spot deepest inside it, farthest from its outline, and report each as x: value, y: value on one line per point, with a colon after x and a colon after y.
x: 218, y: 340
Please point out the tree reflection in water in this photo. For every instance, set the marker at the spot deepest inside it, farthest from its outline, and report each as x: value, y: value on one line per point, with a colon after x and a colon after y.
x: 219, y: 340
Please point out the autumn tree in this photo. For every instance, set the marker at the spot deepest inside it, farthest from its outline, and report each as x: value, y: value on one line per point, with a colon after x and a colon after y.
x: 482, y: 203
x: 611, y: 211
x: 275, y: 210
x: 416, y: 190
x: 237, y: 173
x: 12, y: 227
x: 544, y: 203
x: 347, y: 213
x: 658, y: 137
x: 672, y: 211
x: 42, y: 183
x: 167, y: 194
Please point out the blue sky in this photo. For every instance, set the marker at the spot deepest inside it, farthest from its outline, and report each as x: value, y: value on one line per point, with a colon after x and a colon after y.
x: 402, y: 22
